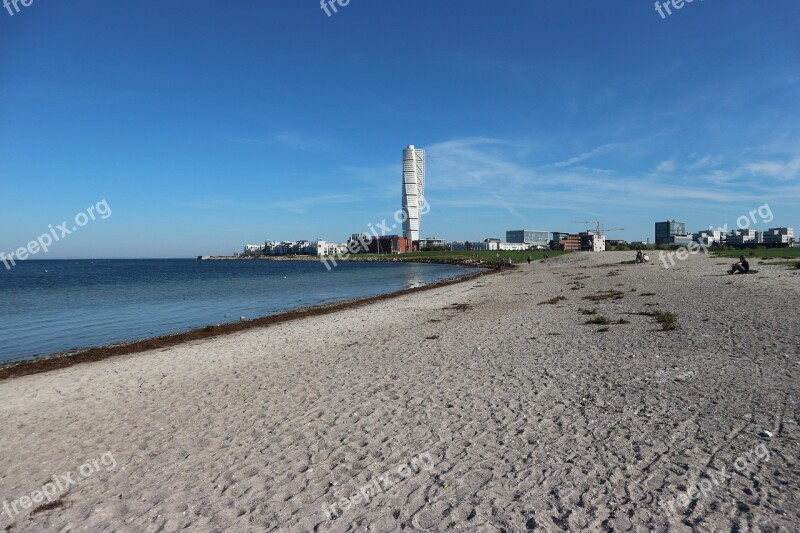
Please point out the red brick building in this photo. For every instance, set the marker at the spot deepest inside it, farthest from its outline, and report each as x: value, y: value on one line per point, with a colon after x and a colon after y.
x: 566, y: 241
x: 389, y: 244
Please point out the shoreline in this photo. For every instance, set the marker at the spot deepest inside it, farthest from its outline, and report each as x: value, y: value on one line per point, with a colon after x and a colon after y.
x: 547, y: 397
x: 396, y: 258
x: 67, y: 359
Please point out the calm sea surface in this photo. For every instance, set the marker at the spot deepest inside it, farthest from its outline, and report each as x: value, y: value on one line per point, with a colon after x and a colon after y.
x: 53, y: 306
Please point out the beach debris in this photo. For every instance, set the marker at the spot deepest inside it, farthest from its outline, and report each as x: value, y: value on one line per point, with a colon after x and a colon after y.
x: 552, y: 301
x: 242, y: 319
x: 605, y: 295
x: 668, y: 321
x: 765, y: 434
x: 457, y: 307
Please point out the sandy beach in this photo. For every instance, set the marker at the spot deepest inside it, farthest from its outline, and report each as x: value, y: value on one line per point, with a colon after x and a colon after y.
x: 469, y: 407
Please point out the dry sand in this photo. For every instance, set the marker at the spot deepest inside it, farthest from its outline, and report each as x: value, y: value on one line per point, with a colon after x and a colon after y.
x: 526, y: 417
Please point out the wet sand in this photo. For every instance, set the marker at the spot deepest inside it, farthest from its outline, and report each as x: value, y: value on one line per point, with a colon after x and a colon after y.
x: 469, y: 407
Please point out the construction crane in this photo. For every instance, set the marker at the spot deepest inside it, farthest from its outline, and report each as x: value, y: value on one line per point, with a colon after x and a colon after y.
x: 598, y: 226
x: 597, y: 238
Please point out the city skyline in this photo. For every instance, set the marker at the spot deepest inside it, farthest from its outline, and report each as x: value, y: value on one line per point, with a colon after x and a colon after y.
x: 279, y: 121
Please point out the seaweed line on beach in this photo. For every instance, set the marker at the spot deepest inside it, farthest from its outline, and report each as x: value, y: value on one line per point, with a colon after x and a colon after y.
x: 64, y: 360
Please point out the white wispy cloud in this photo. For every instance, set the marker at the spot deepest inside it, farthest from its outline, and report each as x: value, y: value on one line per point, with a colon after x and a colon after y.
x: 294, y: 140
x: 477, y: 171
x: 666, y: 166
x: 476, y: 162
x: 299, y: 204
x: 302, y: 142
x: 600, y: 150
x: 705, y: 162
x: 779, y: 170
x: 465, y: 174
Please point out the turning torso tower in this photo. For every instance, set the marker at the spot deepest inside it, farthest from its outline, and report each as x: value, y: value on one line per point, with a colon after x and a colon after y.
x: 413, y: 190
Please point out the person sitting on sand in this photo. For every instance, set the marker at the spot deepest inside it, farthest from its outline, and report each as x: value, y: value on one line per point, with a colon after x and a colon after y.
x: 639, y: 256
x: 740, y: 267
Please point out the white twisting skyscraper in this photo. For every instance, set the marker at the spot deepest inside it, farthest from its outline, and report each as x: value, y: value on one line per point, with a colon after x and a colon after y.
x: 413, y: 190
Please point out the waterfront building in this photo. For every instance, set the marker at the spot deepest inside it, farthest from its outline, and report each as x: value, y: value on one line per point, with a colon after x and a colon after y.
x: 779, y: 236
x: 682, y: 240
x: 253, y: 249
x: 389, y: 244
x: 533, y: 238
x: 324, y: 248
x: 488, y: 245
x: 591, y: 241
x: 432, y: 243
x: 708, y: 238
x: 745, y: 237
x: 513, y: 246
x: 358, y: 243
x: 485, y: 246
x: 413, y: 190
x: 667, y: 231
x: 565, y: 241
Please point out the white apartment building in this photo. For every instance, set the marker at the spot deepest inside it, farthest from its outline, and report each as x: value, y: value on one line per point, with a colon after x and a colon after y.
x: 486, y: 246
x: 413, y: 190
x: 745, y: 236
x: 325, y: 248
x: 779, y: 236
x: 513, y: 246
x: 708, y: 238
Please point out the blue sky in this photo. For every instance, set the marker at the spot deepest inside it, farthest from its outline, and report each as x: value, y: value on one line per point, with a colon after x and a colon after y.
x: 209, y: 125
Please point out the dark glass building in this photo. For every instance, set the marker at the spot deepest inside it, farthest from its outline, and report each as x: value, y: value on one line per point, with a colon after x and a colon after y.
x: 527, y: 236
x: 666, y: 231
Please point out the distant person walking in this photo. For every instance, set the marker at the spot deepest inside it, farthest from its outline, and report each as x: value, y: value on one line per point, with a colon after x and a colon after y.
x: 529, y: 259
